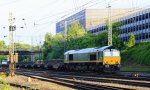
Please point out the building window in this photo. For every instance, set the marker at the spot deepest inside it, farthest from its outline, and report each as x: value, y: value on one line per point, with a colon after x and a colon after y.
x: 134, y: 19
x: 137, y: 28
x: 143, y: 36
x: 129, y: 29
x: 143, y: 16
x: 146, y: 25
x: 143, y: 26
x: 146, y: 15
x: 146, y: 35
x: 104, y: 28
x: 140, y: 27
x: 137, y: 18
x: 131, y: 20
x: 97, y: 30
x: 134, y: 28
x: 126, y: 22
x: 140, y: 17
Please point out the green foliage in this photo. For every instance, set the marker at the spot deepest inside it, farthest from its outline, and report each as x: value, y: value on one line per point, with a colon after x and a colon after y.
x: 138, y: 54
x: 116, y: 27
x: 75, y: 31
x: 102, y: 39
x: 6, y: 87
x: 53, y: 46
x: 77, y: 38
x: 117, y: 42
x: 131, y: 40
x: 3, y: 46
x: 22, y: 46
x: 74, y: 36
x: 57, y: 46
x: 47, y: 46
x: 134, y: 68
x: 88, y: 41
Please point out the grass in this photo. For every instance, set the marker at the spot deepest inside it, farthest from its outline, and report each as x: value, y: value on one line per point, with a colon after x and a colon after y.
x: 3, y: 83
x: 6, y: 87
x: 144, y: 69
x: 138, y: 54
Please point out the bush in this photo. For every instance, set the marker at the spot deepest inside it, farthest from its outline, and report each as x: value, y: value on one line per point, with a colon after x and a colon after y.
x: 6, y: 87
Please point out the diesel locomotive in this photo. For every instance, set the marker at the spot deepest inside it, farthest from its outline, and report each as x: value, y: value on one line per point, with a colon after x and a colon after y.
x: 93, y: 59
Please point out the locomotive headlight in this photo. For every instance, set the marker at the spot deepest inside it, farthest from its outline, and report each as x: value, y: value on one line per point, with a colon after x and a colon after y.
x: 107, y: 66
x: 119, y: 65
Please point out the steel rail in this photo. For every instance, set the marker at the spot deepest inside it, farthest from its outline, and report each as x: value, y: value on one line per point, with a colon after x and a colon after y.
x: 72, y: 83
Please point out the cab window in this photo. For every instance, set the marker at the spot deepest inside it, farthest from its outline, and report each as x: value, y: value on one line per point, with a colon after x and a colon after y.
x: 70, y: 57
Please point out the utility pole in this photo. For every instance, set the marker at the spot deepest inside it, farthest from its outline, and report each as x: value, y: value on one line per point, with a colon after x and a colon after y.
x: 12, y: 57
x: 109, y: 26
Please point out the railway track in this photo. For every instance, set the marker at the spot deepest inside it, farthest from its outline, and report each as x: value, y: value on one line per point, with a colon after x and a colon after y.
x: 132, y: 81
x: 104, y: 80
x: 71, y: 82
x: 95, y: 75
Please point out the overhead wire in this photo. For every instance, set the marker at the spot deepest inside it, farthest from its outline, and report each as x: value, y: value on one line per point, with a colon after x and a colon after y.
x: 69, y: 12
x: 76, y: 10
x: 8, y: 3
x: 132, y: 10
x: 104, y: 18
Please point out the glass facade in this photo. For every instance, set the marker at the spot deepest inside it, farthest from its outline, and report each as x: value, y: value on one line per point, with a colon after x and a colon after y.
x: 137, y: 23
x: 88, y: 18
x: 80, y: 17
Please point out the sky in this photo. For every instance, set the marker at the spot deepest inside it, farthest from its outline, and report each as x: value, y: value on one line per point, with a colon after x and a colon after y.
x: 40, y: 16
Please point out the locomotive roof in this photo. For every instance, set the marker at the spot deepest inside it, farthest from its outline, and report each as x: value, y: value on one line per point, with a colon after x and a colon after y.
x: 87, y: 50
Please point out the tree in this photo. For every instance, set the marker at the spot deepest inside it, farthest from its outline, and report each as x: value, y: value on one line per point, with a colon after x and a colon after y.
x: 3, y: 45
x: 117, y: 42
x: 22, y: 46
x: 75, y: 31
x: 131, y: 40
x: 53, y: 46
x: 88, y: 41
x: 102, y: 38
x: 47, y: 46
x: 116, y: 27
x: 57, y: 46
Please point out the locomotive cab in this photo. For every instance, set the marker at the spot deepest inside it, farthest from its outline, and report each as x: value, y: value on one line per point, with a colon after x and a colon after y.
x: 111, y: 59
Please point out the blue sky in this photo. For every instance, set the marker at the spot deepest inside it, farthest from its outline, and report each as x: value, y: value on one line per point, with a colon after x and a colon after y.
x: 41, y: 15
